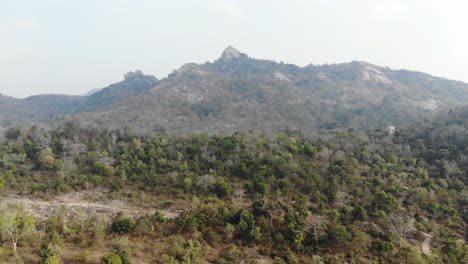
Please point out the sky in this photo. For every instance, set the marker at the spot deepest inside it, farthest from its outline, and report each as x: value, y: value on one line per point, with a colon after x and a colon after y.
x: 71, y: 47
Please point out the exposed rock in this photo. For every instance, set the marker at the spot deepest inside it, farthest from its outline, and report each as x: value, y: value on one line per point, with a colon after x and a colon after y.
x: 323, y: 76
x: 230, y: 53
x: 371, y: 73
x: 426, y: 244
x: 429, y: 104
x: 280, y: 76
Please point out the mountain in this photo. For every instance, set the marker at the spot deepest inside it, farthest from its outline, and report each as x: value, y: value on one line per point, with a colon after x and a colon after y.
x: 238, y: 93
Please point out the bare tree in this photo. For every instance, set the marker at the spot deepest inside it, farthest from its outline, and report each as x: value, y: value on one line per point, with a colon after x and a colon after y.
x: 342, y: 198
x: 206, y: 181
x: 69, y: 165
x: 316, y: 226
x: 401, y: 224
x: 238, y: 195
x: 325, y: 154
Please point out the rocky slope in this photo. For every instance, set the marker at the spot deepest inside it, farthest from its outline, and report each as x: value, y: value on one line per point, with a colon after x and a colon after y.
x: 238, y: 93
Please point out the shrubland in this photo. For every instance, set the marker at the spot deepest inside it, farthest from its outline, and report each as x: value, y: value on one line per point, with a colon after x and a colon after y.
x: 341, y: 197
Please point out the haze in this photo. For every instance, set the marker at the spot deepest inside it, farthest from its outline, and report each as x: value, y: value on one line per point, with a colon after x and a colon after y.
x: 70, y: 47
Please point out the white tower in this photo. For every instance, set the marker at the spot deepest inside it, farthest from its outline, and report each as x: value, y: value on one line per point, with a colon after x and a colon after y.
x: 391, y: 130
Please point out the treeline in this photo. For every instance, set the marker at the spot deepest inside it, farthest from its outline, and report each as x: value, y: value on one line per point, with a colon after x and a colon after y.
x: 282, y: 197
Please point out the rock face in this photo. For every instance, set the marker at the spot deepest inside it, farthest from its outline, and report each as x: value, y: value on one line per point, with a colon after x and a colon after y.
x: 237, y: 93
x: 230, y: 53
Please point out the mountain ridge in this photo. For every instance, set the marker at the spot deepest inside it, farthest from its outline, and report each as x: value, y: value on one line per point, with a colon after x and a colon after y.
x: 236, y: 93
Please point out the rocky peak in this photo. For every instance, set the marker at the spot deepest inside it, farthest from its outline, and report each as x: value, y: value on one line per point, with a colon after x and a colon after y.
x: 133, y: 74
x: 230, y: 53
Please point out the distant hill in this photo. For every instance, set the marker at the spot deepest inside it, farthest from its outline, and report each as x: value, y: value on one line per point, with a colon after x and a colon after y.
x: 239, y: 93
x: 134, y: 83
x: 45, y: 108
x: 92, y: 91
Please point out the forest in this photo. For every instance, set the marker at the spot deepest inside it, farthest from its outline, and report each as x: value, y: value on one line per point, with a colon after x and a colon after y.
x: 342, y: 196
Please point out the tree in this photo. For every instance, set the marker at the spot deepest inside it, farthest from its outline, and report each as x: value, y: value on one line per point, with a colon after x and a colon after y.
x: 49, y: 253
x: 46, y: 159
x: 100, y: 226
x: 223, y: 188
x: 121, y: 249
x: 316, y: 226
x: 69, y: 165
x: 452, y: 249
x: 206, y: 181
x: 400, y: 225
x: 193, y: 250
x: 13, y: 133
x: 16, y: 225
x: 144, y: 226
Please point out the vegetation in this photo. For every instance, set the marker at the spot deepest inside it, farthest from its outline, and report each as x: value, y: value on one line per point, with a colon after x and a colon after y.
x: 280, y: 197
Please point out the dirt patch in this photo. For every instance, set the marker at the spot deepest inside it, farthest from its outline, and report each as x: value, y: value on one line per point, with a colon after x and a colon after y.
x: 426, y: 244
x: 90, y: 202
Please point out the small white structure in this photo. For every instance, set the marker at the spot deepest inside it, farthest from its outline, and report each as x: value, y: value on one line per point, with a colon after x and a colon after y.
x: 391, y: 130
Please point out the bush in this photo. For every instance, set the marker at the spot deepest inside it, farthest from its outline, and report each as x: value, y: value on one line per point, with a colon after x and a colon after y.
x: 120, y: 250
x: 121, y: 224
x: 111, y: 258
x: 53, y: 260
x: 223, y: 189
x: 383, y: 246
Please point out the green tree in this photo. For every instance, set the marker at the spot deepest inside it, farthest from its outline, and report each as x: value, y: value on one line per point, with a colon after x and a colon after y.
x: 99, y: 229
x: 453, y: 249
x: 49, y: 253
x: 16, y: 225
x: 46, y: 159
x: 223, y: 188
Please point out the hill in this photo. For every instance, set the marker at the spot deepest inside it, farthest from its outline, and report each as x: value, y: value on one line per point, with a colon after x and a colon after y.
x: 46, y: 108
x: 237, y: 93
x: 338, y: 196
x: 347, y: 197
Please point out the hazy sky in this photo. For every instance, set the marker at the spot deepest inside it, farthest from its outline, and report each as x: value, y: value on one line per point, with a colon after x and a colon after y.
x: 65, y: 46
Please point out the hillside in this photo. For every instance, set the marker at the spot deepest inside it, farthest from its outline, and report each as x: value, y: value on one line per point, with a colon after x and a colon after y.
x: 134, y: 83
x: 46, y: 108
x: 87, y: 191
x: 238, y: 93
x: 345, y: 197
